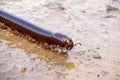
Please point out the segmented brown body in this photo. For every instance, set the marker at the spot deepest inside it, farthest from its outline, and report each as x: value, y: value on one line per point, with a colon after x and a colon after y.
x: 50, y: 39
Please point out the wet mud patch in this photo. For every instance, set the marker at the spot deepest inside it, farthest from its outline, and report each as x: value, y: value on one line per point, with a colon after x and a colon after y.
x: 17, y: 49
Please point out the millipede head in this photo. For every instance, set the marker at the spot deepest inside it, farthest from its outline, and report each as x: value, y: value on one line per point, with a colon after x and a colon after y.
x: 64, y: 41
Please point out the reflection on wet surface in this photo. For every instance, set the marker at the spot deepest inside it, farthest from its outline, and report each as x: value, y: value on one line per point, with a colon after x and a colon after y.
x: 43, y: 54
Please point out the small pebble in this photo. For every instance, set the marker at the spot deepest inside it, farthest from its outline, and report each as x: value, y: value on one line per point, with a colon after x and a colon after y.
x: 118, y: 75
x: 104, y: 73
x: 98, y: 75
x: 97, y: 47
x: 108, y: 16
x: 106, y: 31
x: 97, y: 56
x: 111, y: 8
x: 64, y: 51
x: 55, y: 5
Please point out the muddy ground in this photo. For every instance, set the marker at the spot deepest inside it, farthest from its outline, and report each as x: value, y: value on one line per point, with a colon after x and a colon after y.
x: 93, y: 23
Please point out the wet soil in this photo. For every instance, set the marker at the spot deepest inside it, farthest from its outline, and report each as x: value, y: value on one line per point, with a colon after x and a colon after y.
x: 93, y: 23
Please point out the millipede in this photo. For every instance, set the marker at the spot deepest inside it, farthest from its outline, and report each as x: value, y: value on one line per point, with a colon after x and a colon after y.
x: 55, y: 41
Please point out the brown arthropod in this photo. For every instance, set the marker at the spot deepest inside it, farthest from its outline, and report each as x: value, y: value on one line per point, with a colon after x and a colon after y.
x: 54, y: 41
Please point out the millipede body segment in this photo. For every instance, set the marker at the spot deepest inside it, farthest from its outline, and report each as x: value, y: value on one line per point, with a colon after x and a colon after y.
x: 54, y: 41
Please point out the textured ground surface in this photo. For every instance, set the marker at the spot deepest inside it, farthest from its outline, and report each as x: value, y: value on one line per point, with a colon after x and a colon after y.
x: 94, y: 23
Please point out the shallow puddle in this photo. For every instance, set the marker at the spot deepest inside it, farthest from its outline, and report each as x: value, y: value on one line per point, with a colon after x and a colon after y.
x: 46, y: 55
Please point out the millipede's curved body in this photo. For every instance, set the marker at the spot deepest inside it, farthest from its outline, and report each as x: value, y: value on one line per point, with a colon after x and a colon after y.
x: 36, y: 32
